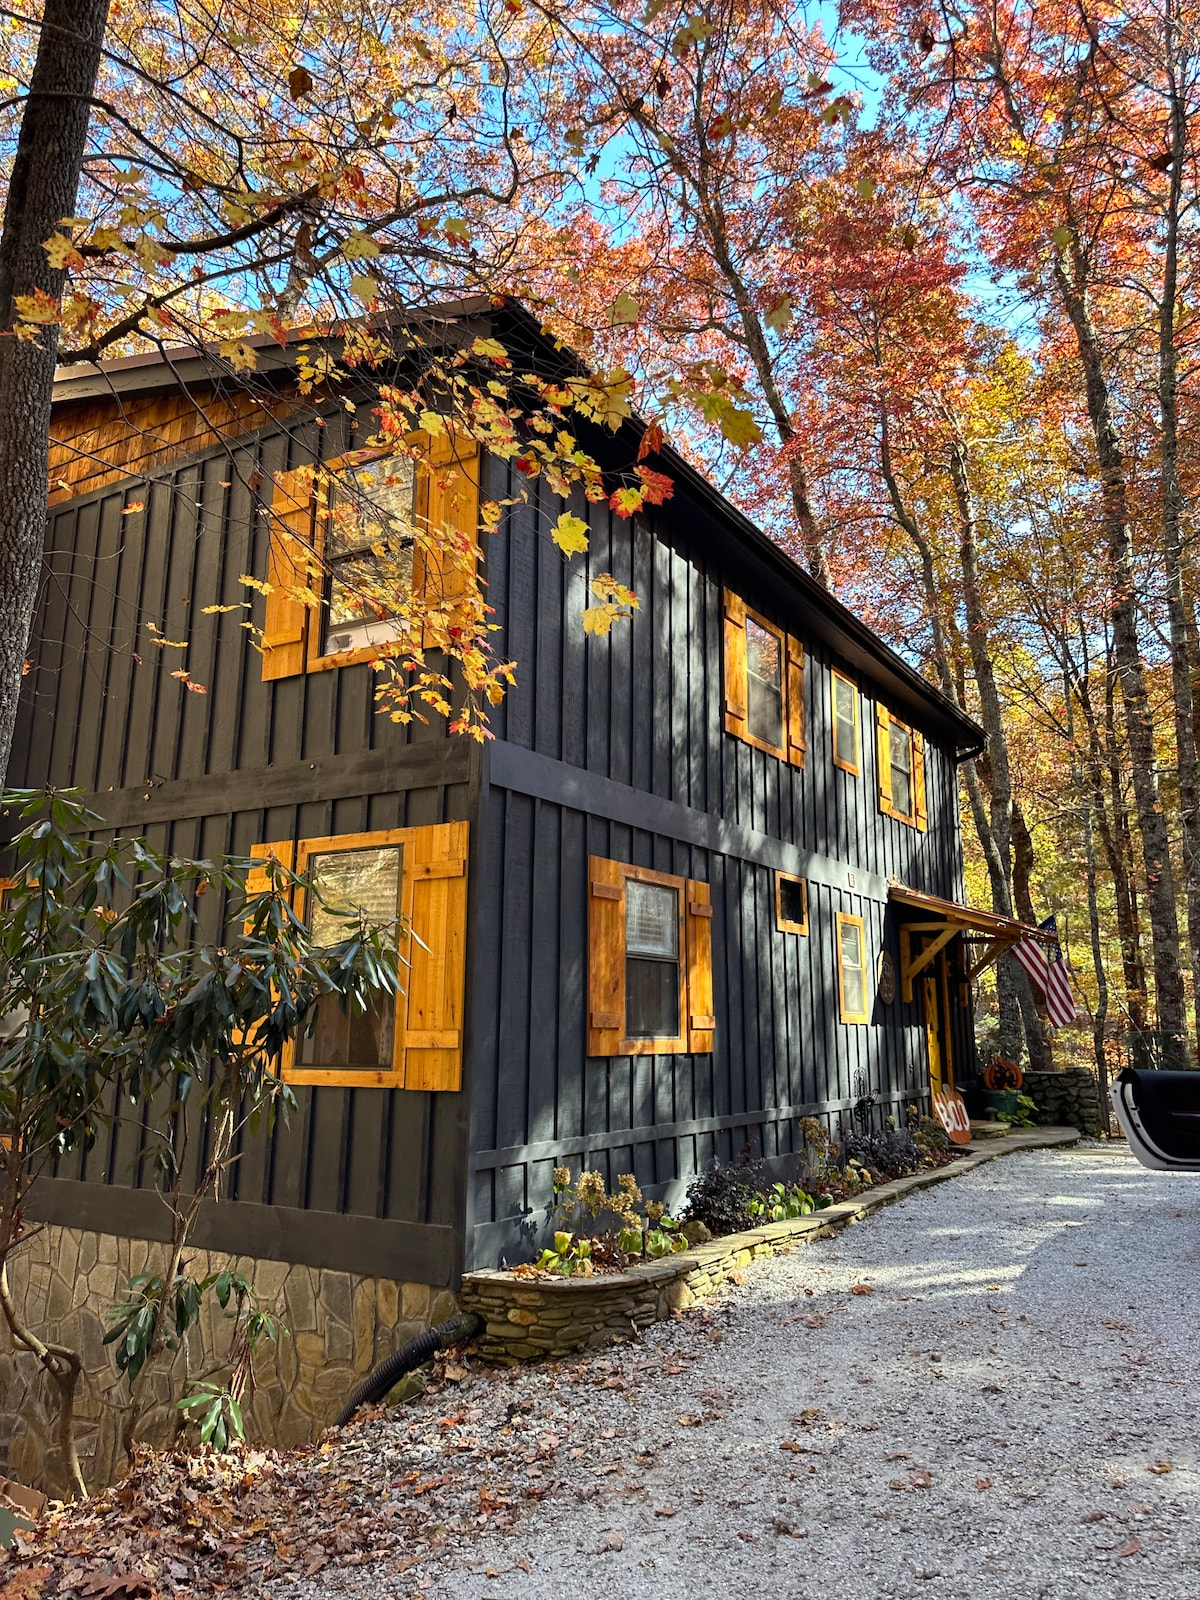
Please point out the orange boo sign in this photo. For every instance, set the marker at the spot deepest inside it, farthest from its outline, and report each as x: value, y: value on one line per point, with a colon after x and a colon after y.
x: 951, y: 1112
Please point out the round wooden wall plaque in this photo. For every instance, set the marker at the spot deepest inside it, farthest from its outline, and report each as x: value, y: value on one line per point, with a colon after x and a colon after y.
x: 885, y: 982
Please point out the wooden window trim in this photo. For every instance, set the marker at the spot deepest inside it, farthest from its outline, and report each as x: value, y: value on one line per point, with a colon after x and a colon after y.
x: 606, y: 883
x: 303, y: 653
x: 843, y: 918
x: 735, y: 679
x: 781, y: 922
x: 779, y: 749
x: 854, y: 767
x: 918, y: 817
x: 317, y: 660
x: 453, y: 838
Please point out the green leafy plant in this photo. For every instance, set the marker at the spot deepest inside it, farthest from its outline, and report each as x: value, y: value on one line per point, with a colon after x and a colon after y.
x: 1022, y: 1116
x: 585, y: 1242
x: 113, y: 1001
x: 221, y: 1422
x: 785, y: 1201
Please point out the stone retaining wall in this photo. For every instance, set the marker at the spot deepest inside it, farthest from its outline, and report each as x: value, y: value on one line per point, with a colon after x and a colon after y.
x: 530, y: 1317
x: 65, y: 1279
x: 1068, y: 1099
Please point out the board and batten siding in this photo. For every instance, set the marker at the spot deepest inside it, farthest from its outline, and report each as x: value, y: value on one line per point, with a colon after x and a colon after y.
x: 616, y: 747
x: 371, y: 1180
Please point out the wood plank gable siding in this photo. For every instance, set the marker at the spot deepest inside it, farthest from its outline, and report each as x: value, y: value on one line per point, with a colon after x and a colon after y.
x: 358, y: 1174
x: 94, y: 443
x: 616, y: 748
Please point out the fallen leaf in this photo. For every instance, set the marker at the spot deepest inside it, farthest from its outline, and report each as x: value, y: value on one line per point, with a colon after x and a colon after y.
x: 1161, y: 1467
x: 665, y: 1511
x: 1133, y: 1548
x: 861, y: 1288
x: 1092, y: 1516
x: 919, y: 1478
x: 983, y: 1483
x: 610, y: 1541
x: 689, y: 1419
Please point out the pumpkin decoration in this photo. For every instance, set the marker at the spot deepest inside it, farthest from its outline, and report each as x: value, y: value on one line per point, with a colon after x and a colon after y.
x: 1002, y: 1074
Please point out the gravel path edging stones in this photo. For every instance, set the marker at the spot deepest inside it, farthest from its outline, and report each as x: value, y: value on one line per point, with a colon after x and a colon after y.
x: 530, y: 1318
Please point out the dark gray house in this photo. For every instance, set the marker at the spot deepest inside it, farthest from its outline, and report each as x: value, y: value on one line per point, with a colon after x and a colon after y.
x: 705, y: 880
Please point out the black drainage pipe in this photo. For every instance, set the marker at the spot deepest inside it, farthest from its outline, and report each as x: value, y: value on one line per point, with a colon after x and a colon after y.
x: 466, y: 1325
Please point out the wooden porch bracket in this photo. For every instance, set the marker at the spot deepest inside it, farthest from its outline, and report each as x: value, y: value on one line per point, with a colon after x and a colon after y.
x: 910, y: 967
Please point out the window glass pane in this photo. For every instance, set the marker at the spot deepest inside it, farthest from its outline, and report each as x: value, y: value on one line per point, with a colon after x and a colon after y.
x: 652, y: 960
x: 792, y: 898
x: 764, y: 683
x: 843, y: 721
x: 354, y: 880
x: 367, y: 880
x: 369, y: 548
x: 374, y: 504
x: 854, y: 995
x: 901, y: 759
x: 651, y: 920
x: 651, y: 999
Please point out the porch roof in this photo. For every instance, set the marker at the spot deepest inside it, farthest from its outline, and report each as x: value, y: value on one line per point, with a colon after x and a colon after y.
x: 939, y: 921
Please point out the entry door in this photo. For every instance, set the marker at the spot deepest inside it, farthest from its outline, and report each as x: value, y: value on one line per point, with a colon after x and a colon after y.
x: 937, y: 1029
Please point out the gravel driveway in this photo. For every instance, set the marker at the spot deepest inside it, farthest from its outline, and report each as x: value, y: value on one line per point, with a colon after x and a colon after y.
x: 990, y: 1387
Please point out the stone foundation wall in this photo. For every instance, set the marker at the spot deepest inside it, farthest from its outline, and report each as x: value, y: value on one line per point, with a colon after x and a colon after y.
x: 1068, y: 1099
x: 65, y: 1279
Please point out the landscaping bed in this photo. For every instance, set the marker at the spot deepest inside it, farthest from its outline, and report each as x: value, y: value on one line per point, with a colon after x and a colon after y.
x: 527, y: 1317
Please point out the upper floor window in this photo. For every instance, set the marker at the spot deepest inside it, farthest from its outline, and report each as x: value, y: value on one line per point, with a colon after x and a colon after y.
x: 360, y: 551
x: 650, y: 982
x: 764, y: 682
x: 845, y: 722
x: 369, y: 552
x: 901, y: 762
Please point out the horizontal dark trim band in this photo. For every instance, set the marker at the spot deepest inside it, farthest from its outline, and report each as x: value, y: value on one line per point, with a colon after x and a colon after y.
x: 409, y: 1252
x: 625, y: 1138
x: 254, y: 789
x: 544, y: 778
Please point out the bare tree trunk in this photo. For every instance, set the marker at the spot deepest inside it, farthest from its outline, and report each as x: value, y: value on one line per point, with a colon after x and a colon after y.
x: 42, y: 190
x: 64, y: 1367
x: 1182, y: 632
x: 1139, y: 727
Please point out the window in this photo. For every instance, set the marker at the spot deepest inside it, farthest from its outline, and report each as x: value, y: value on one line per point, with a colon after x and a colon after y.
x: 791, y: 903
x: 852, y: 968
x: 649, y: 962
x: 845, y: 723
x: 900, y: 757
x: 368, y: 552
x: 414, y: 876
x: 366, y: 880
x: 764, y: 682
x: 379, y: 510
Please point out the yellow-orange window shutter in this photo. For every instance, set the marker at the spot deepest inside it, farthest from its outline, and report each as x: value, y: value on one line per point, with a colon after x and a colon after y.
x: 605, y: 957
x: 797, y: 747
x: 288, y: 569
x: 258, y: 878
x: 701, y: 1021
x: 736, y: 702
x: 919, y: 802
x: 883, y: 751
x: 442, y: 579
x: 435, y: 903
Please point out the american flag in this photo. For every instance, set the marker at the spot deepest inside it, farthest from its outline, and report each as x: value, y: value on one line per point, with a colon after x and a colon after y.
x: 1047, y: 968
